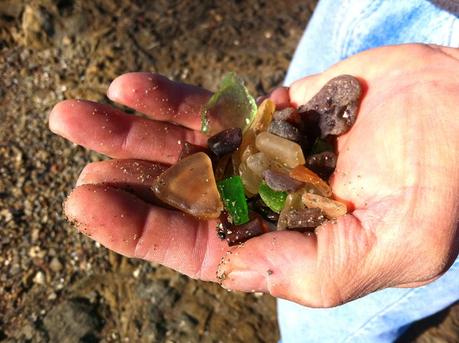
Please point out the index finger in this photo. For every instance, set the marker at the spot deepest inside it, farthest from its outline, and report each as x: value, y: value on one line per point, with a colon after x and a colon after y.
x: 160, y: 98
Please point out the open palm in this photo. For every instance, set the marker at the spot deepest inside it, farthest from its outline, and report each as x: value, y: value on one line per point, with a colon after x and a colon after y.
x: 398, y: 170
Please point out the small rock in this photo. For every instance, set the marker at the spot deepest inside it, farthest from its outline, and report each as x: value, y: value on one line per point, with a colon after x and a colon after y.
x: 6, y: 215
x: 36, y: 252
x: 71, y: 321
x: 285, y: 130
x: 35, y: 235
x: 39, y: 278
x: 136, y: 273
x: 37, y: 26
x: 337, y: 104
x: 55, y: 264
x: 27, y: 331
x: 225, y: 142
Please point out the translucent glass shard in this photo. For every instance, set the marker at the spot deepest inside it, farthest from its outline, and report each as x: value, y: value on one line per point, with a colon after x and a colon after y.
x: 225, y: 142
x: 303, y: 174
x: 250, y: 180
x: 332, y: 208
x: 273, y: 199
x: 281, y: 182
x: 200, y: 197
x: 260, y: 123
x: 280, y: 149
x: 232, y: 194
x: 259, y: 162
x: 322, y: 164
x: 230, y: 106
x: 293, y: 202
x: 305, y: 218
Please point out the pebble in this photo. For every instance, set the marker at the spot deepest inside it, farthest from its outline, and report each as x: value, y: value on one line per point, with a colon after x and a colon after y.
x: 337, y: 104
x: 39, y: 278
x: 6, y: 215
x: 285, y: 130
x: 55, y: 265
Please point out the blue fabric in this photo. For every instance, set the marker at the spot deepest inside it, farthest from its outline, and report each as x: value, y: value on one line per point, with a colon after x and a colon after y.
x: 378, y: 317
x: 337, y: 30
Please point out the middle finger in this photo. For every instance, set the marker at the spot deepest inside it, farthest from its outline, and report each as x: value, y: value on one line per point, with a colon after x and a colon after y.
x: 116, y: 134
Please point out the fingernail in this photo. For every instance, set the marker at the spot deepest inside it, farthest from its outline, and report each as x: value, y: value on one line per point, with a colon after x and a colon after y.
x: 245, y: 281
x: 113, y: 92
x: 82, y: 178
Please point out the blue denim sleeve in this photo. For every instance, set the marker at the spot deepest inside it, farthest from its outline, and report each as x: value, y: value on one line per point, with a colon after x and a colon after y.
x: 339, y: 29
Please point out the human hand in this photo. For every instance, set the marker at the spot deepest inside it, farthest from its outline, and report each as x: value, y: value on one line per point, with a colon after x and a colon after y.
x: 397, y: 170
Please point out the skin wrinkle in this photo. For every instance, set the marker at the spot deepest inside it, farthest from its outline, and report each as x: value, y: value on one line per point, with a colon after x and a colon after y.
x: 359, y: 252
x: 166, y: 259
x: 366, y: 282
x: 409, y: 255
x: 428, y: 173
x: 201, y: 238
x: 125, y: 143
x: 452, y: 53
x: 326, y: 262
x: 330, y: 294
x: 196, y: 137
x: 342, y: 261
x: 151, y: 253
x: 270, y: 279
x: 141, y: 238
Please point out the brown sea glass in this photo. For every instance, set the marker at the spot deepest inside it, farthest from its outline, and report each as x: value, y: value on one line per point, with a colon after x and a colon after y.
x: 259, y: 124
x: 190, y: 187
x: 305, y: 218
x: 293, y: 202
x: 303, y: 174
x: 331, y: 208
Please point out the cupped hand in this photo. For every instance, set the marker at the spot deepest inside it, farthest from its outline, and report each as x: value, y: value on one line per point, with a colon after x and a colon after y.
x: 398, y: 171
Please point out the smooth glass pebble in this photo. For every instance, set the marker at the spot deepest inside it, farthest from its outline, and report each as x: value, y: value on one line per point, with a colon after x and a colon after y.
x: 293, y: 202
x: 259, y: 124
x: 281, y: 182
x: 322, y: 164
x: 250, y: 180
x: 225, y: 142
x: 305, y: 218
x: 241, y: 233
x: 337, y: 104
x: 259, y: 162
x: 303, y: 174
x: 190, y: 186
x: 232, y: 193
x: 285, y: 130
x: 230, y: 106
x: 331, y: 208
x: 280, y: 149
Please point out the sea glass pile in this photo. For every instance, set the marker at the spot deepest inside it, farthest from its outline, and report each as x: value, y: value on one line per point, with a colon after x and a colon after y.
x: 263, y: 165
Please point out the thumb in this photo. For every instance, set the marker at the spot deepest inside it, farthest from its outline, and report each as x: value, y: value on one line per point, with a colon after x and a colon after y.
x: 321, y: 269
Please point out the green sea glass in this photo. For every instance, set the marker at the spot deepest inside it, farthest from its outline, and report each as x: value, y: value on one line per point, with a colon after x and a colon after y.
x: 233, y: 196
x: 230, y: 106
